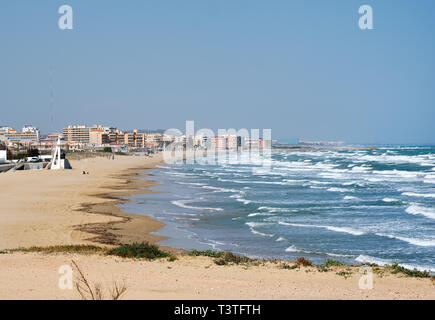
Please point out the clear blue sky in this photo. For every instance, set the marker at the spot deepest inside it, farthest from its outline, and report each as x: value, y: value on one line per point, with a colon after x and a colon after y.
x: 302, y: 67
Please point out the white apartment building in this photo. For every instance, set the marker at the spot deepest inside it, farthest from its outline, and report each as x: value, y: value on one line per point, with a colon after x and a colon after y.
x: 31, y: 129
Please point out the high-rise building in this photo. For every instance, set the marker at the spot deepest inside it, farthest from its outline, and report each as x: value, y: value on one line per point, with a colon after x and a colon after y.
x: 22, y: 137
x: 5, y: 129
x: 31, y: 129
x: 134, y: 139
x: 29, y: 135
x: 98, y: 136
x: 76, y: 133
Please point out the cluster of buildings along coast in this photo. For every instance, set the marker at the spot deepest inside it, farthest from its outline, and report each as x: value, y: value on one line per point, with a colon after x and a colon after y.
x: 98, y: 137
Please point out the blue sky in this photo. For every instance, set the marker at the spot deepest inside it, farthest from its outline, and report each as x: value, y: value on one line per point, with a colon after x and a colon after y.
x: 302, y: 68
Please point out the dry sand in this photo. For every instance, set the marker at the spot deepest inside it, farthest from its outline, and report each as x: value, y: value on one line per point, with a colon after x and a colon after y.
x: 35, y: 276
x: 43, y: 208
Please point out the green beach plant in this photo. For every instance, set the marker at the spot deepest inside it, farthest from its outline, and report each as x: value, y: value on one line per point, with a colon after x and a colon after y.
x: 323, y: 269
x: 396, y: 268
x: 231, y: 258
x: 142, y: 250
x: 82, y: 249
x: 206, y: 253
x: 289, y: 267
x: 333, y: 263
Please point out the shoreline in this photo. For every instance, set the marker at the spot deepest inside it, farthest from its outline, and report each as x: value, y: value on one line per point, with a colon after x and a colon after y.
x: 133, y: 227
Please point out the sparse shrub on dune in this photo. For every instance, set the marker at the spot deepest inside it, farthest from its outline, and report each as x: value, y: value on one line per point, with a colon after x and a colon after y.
x: 344, y: 274
x: 139, y: 251
x: 289, y: 267
x: 223, y: 258
x: 82, y: 249
x: 231, y: 258
x: 205, y: 253
x: 396, y: 268
x: 333, y: 263
x: 304, y: 262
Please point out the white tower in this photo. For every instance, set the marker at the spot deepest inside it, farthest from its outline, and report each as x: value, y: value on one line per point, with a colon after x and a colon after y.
x: 56, y: 162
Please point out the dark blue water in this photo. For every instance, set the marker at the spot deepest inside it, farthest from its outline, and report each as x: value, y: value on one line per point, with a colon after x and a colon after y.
x: 374, y: 205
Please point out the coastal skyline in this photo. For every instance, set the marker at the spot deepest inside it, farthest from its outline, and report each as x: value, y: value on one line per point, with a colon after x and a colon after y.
x: 303, y: 69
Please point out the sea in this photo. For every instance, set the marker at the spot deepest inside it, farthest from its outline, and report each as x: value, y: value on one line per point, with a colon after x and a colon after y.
x: 373, y: 205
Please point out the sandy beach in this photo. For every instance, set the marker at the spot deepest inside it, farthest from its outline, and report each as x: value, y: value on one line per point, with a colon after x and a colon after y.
x: 44, y: 208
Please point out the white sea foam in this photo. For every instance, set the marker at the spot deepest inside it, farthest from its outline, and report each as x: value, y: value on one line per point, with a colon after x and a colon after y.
x: 429, y: 180
x: 280, y: 239
x: 277, y: 210
x: 253, y: 225
x: 389, y: 200
x: 183, y: 204
x: 417, y: 209
x: 354, y: 183
x: 383, y: 262
x: 256, y: 214
x: 333, y: 189
x: 256, y: 182
x: 423, y: 160
x: 362, y: 168
x: 244, y: 201
x: 319, y: 182
x: 190, y: 219
x: 346, y: 230
x: 293, y: 181
x: 332, y: 175
x: 190, y: 183
x: 422, y: 195
x: 339, y: 255
x: 292, y: 249
x: 399, y: 174
x: 239, y: 198
x: 350, y: 198
x: 218, y: 189
x: 413, y: 241
x: 368, y: 259
x: 331, y: 228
